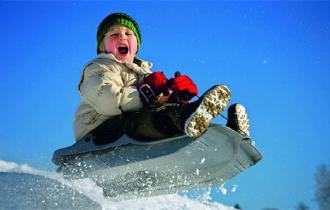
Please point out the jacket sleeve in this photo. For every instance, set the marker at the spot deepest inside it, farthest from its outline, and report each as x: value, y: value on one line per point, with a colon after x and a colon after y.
x: 103, y: 88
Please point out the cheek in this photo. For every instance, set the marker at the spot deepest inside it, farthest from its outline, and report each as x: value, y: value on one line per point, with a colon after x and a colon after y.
x: 110, y: 45
x: 133, y: 45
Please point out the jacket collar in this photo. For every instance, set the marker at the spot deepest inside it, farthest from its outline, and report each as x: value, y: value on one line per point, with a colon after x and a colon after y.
x: 138, y: 65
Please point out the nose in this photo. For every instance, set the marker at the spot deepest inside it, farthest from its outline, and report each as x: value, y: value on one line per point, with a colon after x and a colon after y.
x: 122, y: 36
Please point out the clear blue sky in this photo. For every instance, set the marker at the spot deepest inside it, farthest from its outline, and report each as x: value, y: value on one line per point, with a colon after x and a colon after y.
x: 274, y: 56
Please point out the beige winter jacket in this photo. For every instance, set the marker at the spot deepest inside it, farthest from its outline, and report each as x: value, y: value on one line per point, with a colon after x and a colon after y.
x: 107, y: 87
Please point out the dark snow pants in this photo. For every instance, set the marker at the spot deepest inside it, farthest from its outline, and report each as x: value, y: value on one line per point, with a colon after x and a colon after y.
x: 145, y: 125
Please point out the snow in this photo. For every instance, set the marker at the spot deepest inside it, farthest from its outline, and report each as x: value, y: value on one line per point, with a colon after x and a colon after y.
x: 89, y: 189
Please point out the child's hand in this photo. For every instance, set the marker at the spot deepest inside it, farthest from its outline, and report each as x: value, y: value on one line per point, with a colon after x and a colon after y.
x: 154, y: 84
x: 157, y: 81
x: 183, y: 87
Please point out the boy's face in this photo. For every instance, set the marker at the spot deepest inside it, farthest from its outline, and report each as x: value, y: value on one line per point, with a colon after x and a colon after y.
x: 121, y: 42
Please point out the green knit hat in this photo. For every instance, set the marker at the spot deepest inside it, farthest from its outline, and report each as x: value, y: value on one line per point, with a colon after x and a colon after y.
x: 117, y: 19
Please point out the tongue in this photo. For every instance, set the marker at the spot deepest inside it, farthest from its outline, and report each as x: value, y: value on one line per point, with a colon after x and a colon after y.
x: 123, y: 50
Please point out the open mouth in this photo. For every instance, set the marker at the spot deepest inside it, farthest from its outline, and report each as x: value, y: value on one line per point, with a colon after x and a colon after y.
x: 123, y: 49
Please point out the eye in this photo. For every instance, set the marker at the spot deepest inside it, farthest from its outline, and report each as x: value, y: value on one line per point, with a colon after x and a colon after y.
x: 129, y: 33
x: 113, y: 35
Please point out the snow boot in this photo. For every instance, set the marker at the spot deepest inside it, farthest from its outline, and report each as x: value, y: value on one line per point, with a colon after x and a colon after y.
x: 238, y: 119
x: 211, y: 104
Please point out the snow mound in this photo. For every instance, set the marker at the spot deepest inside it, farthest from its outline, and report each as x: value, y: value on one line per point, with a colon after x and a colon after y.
x: 90, y: 190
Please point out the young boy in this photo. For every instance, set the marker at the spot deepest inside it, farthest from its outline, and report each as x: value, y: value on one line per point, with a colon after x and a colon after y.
x: 120, y: 94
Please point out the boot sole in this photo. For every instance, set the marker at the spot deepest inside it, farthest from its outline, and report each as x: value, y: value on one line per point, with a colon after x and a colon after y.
x: 242, y: 120
x: 213, y: 103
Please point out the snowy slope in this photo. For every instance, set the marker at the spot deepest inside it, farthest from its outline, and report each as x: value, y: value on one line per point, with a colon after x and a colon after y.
x: 24, y: 187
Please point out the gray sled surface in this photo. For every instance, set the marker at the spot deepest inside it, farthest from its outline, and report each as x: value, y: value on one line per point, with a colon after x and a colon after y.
x: 127, y: 168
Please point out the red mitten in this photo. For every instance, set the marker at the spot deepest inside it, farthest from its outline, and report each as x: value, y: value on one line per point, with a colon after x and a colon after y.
x: 153, y: 85
x: 183, y: 86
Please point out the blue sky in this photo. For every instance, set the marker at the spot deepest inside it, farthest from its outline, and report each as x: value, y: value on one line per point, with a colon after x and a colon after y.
x: 274, y: 56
